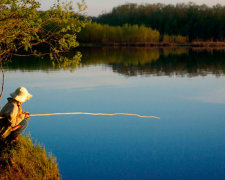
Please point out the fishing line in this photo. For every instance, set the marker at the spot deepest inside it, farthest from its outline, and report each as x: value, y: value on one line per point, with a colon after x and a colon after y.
x: 95, y: 114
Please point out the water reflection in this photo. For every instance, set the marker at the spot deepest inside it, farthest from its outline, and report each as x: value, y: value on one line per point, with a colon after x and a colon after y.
x: 140, y: 61
x: 188, y: 141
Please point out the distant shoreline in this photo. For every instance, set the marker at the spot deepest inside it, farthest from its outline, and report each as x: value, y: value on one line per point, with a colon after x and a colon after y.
x: 208, y: 44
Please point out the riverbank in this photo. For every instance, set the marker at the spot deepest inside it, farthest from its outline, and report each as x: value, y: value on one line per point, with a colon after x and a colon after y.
x: 23, y: 160
x: 197, y: 44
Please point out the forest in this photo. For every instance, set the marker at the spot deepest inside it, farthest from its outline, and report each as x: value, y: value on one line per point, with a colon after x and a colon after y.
x: 197, y: 22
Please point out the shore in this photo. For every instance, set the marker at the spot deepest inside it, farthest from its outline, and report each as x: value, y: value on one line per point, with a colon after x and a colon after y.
x: 25, y: 160
x: 206, y: 44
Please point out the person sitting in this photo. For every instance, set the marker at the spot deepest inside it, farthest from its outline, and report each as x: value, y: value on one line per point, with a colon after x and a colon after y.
x: 14, y: 118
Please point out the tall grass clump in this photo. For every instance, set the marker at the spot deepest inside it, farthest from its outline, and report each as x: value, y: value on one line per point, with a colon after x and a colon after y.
x: 23, y: 160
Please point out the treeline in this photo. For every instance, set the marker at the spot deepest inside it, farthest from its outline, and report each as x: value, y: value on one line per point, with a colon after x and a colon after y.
x: 197, y: 22
x: 125, y: 34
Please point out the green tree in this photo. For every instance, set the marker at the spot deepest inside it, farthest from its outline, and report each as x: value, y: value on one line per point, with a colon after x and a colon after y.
x: 25, y: 31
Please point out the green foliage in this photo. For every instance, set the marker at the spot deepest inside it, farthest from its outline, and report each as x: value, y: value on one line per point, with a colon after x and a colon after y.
x: 174, y: 38
x: 26, y: 31
x: 27, y: 161
x: 198, y: 22
x: 95, y: 32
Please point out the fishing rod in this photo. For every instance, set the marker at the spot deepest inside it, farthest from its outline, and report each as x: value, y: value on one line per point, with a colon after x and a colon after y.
x: 7, y: 130
x: 95, y: 114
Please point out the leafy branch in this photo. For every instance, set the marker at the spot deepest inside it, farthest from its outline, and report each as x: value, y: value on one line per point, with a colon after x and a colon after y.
x: 25, y: 31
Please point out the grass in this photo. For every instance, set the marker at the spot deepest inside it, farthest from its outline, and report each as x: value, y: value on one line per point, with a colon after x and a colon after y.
x: 23, y: 160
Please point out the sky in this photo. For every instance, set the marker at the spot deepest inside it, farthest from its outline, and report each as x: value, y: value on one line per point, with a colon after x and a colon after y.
x: 96, y: 7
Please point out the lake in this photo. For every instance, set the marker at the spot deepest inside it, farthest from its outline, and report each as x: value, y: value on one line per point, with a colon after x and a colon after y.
x: 184, y: 87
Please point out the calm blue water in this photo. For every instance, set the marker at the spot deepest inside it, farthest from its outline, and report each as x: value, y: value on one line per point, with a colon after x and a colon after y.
x: 186, y: 143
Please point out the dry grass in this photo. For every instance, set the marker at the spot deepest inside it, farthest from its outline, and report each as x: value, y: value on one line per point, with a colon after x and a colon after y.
x: 23, y: 160
x: 208, y: 43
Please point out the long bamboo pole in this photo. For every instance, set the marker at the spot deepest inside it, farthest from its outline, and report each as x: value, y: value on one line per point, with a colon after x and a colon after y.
x: 95, y: 114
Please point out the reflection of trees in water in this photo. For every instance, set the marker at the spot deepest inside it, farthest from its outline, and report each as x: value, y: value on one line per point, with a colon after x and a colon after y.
x: 29, y: 64
x: 167, y: 61
x: 125, y: 56
x: 141, y: 61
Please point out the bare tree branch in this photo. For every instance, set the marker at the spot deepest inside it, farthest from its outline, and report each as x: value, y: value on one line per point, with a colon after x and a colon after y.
x: 3, y: 80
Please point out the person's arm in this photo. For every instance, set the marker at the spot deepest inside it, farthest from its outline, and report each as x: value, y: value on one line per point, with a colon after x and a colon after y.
x: 20, y: 117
